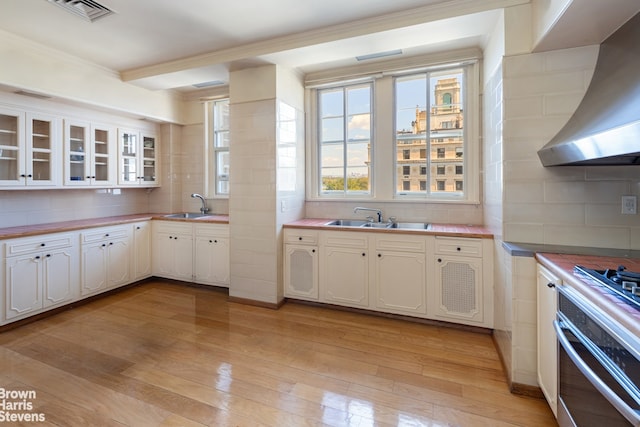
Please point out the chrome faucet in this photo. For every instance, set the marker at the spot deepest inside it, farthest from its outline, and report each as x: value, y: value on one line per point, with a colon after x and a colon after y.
x: 204, y: 209
x: 377, y: 211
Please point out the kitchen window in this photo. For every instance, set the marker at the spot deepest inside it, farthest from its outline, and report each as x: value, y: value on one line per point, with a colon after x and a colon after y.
x: 219, y: 141
x: 379, y: 136
x: 344, y: 116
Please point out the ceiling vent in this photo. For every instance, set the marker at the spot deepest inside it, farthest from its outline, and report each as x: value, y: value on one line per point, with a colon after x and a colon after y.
x: 86, y: 9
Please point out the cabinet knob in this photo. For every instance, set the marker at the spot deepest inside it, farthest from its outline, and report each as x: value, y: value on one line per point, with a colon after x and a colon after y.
x: 106, y: 235
x: 104, y: 244
x: 210, y: 241
x: 299, y: 238
x: 138, y: 228
x: 215, y: 241
x: 313, y: 251
x: 379, y: 255
x: 43, y: 244
x: 363, y: 254
x: 111, y: 244
x: 551, y: 285
x: 458, y: 249
x: 48, y: 255
x: 29, y: 176
x: 88, y: 177
x: 439, y: 259
x: 37, y: 257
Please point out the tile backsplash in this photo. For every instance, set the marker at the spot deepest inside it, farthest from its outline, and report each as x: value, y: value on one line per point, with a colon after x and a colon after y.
x: 42, y: 206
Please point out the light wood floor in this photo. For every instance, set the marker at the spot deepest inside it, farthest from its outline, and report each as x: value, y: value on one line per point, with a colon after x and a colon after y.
x: 172, y: 355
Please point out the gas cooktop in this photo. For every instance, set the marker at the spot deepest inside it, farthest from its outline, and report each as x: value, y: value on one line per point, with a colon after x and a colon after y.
x: 623, y: 283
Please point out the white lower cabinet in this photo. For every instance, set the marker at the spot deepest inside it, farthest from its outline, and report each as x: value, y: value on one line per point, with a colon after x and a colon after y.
x: 211, y: 254
x: 434, y: 277
x: 546, y: 337
x: 106, y: 258
x: 462, y: 291
x: 141, y: 250
x: 344, y: 268
x: 173, y: 250
x: 301, y: 264
x: 191, y: 252
x: 40, y: 273
x: 399, y: 278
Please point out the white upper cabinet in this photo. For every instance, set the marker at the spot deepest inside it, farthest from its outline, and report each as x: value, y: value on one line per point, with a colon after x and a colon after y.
x: 90, y: 155
x: 29, y: 149
x: 138, y: 158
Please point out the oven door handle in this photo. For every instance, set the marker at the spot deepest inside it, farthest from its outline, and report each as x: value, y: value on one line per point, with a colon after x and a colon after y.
x: 629, y: 413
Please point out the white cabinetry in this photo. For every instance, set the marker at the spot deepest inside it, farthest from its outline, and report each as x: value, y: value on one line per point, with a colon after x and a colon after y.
x: 90, y: 155
x: 173, y: 250
x: 211, y: 254
x: 461, y: 292
x: 41, y: 272
x: 141, y: 250
x: 138, y: 159
x: 30, y: 149
x: 106, y: 258
x: 547, y: 342
x: 301, y: 264
x: 191, y: 252
x: 344, y: 268
x: 399, y: 275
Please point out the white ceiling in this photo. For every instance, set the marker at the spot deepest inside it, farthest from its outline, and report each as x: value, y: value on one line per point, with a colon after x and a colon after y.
x: 174, y: 44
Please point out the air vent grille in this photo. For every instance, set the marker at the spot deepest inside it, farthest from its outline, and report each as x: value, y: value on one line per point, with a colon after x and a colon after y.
x: 86, y: 9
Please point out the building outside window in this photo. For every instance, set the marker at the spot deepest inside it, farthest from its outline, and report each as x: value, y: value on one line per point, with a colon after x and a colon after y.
x: 428, y: 118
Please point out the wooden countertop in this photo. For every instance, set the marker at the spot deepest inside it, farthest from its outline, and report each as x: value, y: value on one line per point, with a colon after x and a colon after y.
x: 562, y: 265
x: 451, y: 230
x: 57, y: 227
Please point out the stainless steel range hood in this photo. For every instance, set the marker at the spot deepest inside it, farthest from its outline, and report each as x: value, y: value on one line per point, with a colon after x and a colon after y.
x: 605, y: 129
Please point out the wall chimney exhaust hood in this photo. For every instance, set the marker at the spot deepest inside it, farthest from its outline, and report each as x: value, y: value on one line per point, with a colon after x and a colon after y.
x: 605, y: 129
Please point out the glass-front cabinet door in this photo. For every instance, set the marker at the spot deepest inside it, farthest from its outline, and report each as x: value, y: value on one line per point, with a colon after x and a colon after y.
x: 103, y: 155
x: 138, y: 159
x: 129, y: 173
x: 42, y: 167
x: 77, y: 152
x: 11, y: 147
x: 149, y: 159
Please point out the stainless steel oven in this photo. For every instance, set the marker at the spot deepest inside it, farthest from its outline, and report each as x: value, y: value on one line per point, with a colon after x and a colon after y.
x: 598, y: 366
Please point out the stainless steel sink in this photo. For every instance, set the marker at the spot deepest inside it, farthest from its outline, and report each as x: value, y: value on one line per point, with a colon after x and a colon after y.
x: 347, y: 223
x: 411, y: 225
x: 187, y: 215
x: 377, y: 225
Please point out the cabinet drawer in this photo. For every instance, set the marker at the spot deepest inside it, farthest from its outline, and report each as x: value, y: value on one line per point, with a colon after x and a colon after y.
x: 105, y: 233
x: 467, y: 247
x: 301, y: 237
x: 401, y: 243
x: 172, y: 227
x: 39, y: 243
x: 346, y: 239
x: 212, y: 230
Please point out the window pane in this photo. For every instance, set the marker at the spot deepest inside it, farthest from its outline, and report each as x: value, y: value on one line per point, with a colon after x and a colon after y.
x: 429, y: 131
x: 345, y: 139
x: 222, y: 172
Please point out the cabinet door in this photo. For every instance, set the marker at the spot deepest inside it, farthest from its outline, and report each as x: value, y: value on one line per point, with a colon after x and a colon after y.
x: 118, y: 262
x: 211, y: 260
x: 77, y: 156
x: 23, y: 285
x: 128, y: 148
x: 12, y: 147
x: 59, y: 275
x: 94, y: 268
x: 183, y: 257
x: 399, y: 282
x: 103, y: 155
x: 458, y: 289
x: 43, y: 150
x: 173, y: 256
x: 547, y: 342
x: 344, y: 276
x: 142, y: 250
x: 149, y: 160
x: 301, y: 272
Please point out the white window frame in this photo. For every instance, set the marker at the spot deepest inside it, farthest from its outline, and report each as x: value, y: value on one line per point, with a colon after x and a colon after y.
x: 212, y: 150
x: 383, y: 165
